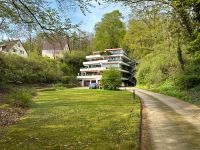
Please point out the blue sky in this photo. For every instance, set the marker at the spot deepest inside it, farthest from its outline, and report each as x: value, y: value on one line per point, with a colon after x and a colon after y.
x: 89, y: 20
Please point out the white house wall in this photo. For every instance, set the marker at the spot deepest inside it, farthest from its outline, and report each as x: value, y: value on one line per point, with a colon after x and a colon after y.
x: 19, y: 50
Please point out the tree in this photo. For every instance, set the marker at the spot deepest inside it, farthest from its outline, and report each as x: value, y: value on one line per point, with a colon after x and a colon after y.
x: 39, y: 14
x: 160, y: 36
x: 110, y: 31
x: 80, y: 41
x: 111, y: 79
x: 186, y: 11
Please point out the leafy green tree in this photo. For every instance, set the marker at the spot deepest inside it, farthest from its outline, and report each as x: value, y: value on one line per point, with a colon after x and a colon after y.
x: 38, y: 15
x: 74, y: 61
x: 186, y: 11
x: 161, y: 40
x: 80, y: 41
x: 110, y: 31
x: 111, y: 79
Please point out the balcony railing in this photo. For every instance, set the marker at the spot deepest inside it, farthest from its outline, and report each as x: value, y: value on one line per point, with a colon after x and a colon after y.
x: 79, y: 74
x: 94, y: 62
x: 93, y: 69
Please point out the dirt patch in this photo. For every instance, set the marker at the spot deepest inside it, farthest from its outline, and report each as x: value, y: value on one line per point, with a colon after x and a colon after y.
x: 10, y: 115
x: 145, y: 141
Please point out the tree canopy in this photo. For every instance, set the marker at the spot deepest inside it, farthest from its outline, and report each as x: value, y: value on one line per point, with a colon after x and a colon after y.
x: 110, y: 31
x: 37, y: 15
x: 111, y: 79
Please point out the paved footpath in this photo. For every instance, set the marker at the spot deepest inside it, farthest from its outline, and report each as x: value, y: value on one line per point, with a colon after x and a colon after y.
x: 173, y: 124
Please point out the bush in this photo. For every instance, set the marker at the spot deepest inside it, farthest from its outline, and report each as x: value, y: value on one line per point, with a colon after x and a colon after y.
x: 194, y: 95
x: 111, y: 79
x: 21, y: 97
x: 157, y: 67
x: 16, y: 69
x: 72, y: 62
x: 188, y: 81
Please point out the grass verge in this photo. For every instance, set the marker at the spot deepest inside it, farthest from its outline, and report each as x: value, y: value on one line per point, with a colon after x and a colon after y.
x: 77, y: 119
x: 191, y: 95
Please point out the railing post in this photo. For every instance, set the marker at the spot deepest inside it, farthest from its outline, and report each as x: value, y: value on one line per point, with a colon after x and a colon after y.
x: 133, y: 94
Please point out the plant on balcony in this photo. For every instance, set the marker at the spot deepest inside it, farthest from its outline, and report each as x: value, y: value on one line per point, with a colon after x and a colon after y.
x: 111, y: 79
x: 105, y: 53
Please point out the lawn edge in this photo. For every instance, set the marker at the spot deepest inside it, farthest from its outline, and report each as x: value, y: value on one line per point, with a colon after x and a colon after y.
x: 145, y: 139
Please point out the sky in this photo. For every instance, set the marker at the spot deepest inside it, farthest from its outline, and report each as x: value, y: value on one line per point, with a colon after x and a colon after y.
x: 89, y: 20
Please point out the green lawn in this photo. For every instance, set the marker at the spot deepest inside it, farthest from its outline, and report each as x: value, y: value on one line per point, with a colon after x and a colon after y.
x: 76, y: 120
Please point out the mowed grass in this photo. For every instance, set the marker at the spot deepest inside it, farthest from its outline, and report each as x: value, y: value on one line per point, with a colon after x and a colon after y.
x: 76, y: 119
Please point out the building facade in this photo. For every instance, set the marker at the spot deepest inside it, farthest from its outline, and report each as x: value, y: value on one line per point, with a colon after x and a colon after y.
x: 54, y: 49
x: 13, y: 47
x: 100, y: 61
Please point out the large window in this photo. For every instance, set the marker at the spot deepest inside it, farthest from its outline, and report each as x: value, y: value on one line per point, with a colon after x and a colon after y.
x: 117, y: 52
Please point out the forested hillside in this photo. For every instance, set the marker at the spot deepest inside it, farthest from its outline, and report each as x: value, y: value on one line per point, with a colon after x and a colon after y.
x: 164, y: 38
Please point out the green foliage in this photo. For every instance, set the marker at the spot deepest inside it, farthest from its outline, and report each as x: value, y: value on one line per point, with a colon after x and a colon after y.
x: 161, y: 42
x: 111, y: 79
x: 81, y: 41
x: 110, y: 31
x: 38, y: 15
x: 105, y: 53
x: 16, y: 69
x: 73, y: 62
x: 193, y: 95
x: 185, y: 81
x: 158, y: 66
x: 21, y: 97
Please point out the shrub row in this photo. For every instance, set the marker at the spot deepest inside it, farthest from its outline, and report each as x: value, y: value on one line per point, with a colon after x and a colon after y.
x: 16, y: 69
x: 20, y: 97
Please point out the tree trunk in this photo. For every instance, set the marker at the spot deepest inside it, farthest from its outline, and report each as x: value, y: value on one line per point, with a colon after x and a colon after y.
x: 180, y: 55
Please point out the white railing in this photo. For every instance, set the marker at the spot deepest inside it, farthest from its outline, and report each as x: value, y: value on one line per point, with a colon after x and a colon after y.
x: 98, y: 77
x: 93, y: 56
x: 95, y: 62
x: 93, y: 69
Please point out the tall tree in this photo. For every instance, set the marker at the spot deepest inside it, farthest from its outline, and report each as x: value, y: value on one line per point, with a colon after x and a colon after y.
x: 39, y: 14
x: 110, y: 31
x: 187, y: 12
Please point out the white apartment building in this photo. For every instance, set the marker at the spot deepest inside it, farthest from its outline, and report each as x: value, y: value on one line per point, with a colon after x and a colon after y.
x: 98, y: 62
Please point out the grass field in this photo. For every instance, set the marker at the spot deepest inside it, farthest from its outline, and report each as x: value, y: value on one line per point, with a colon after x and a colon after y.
x: 75, y: 120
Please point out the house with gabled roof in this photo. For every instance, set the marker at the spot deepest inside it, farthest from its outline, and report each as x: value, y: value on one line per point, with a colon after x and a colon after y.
x: 55, y: 49
x: 13, y: 47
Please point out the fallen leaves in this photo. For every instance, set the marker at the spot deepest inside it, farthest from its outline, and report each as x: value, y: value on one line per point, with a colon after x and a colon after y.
x: 10, y: 115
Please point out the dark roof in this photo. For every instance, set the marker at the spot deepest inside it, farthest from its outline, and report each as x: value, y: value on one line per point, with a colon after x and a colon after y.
x: 59, y: 45
x: 7, y: 45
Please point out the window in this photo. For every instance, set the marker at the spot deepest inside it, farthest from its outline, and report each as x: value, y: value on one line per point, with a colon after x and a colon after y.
x: 18, y: 45
x: 21, y: 52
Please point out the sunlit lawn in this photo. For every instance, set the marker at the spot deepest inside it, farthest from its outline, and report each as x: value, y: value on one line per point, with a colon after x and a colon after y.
x: 75, y: 120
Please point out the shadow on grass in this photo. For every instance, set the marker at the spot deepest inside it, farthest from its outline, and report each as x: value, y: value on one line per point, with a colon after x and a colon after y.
x: 70, y: 120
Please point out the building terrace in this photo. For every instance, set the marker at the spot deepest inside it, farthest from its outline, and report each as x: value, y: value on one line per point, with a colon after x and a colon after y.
x: 100, y: 61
